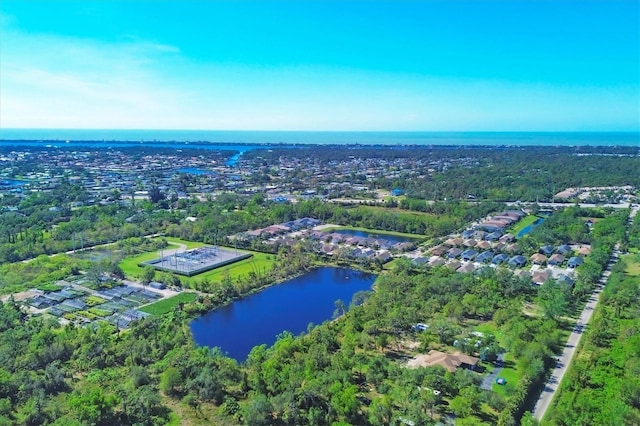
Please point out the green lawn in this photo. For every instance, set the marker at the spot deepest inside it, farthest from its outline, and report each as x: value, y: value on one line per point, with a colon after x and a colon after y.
x: 509, y: 373
x: 167, y: 305
x: 374, y: 231
x: 257, y: 262
x: 129, y: 265
x: 190, y: 244
x: 633, y: 264
x: 523, y: 223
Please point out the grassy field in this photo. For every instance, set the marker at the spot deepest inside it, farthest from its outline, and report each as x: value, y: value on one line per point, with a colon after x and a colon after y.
x: 523, y: 223
x: 633, y: 264
x: 129, y: 265
x: 257, y: 262
x: 374, y: 231
x: 167, y: 305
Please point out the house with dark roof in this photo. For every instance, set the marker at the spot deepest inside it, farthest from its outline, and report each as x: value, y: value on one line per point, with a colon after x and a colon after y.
x: 575, y: 261
x: 420, y: 260
x: 454, y: 252
x: 499, y: 258
x: 518, y: 261
x: 493, y: 236
x: 566, y: 280
x: 564, y: 249
x: 467, y: 233
x: 547, y: 250
x: 485, y: 256
x: 507, y: 238
x: 468, y: 255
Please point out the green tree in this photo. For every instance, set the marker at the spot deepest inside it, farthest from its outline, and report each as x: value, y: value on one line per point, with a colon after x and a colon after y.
x: 148, y: 273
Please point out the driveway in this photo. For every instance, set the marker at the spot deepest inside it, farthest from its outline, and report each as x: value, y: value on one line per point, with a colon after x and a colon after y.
x: 491, y: 378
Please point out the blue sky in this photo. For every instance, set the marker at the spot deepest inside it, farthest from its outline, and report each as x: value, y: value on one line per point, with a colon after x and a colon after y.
x: 331, y: 65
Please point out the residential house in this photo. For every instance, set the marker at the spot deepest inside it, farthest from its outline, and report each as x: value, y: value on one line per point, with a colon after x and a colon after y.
x: 467, y: 267
x: 450, y: 362
x: 538, y: 259
x: 499, y: 258
x: 539, y: 277
x: 517, y: 261
x: 547, y: 250
x: 584, y: 251
x: 556, y: 259
x: 575, y: 261
x: 564, y: 249
x: 454, y: 252
x: 468, y: 255
x: 485, y: 256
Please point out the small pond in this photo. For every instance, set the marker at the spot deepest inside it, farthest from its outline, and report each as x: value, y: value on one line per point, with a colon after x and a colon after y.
x: 290, y: 306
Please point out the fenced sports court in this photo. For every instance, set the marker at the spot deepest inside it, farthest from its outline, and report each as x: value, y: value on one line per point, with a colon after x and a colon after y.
x: 196, y: 261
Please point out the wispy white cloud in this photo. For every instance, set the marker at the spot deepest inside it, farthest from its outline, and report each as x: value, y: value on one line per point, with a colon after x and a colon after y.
x: 54, y: 81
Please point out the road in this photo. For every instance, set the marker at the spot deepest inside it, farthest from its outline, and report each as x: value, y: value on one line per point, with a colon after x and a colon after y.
x: 564, y: 360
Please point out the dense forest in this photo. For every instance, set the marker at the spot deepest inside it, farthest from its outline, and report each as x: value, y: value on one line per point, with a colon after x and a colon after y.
x: 603, y: 385
x: 353, y: 369
x: 487, y: 173
x: 348, y: 371
x: 45, y: 224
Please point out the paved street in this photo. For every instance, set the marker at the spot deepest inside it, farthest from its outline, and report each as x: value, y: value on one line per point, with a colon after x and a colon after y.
x: 569, y: 349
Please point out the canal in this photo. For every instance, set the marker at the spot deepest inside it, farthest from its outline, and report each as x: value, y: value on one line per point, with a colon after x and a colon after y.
x: 289, y: 306
x: 363, y: 234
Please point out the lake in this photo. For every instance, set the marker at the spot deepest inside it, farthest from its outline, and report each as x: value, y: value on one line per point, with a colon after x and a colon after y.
x: 290, y: 306
x: 363, y: 234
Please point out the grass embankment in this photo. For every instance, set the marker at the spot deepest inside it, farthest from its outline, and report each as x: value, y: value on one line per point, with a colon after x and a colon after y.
x: 167, y: 305
x: 257, y: 262
x: 373, y: 231
x: 522, y: 223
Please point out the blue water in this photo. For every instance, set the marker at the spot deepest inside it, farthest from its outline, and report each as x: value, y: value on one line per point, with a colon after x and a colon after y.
x: 529, y: 228
x: 291, y: 306
x: 340, y: 138
x: 394, y: 238
x: 195, y: 171
x: 12, y: 182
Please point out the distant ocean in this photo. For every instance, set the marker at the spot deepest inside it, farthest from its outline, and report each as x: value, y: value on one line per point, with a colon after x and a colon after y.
x: 197, y: 138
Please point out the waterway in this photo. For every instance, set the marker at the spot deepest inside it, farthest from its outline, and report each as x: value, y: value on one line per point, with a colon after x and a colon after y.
x: 529, y: 228
x: 195, y: 171
x: 13, y: 182
x: 290, y: 306
x: 363, y: 234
